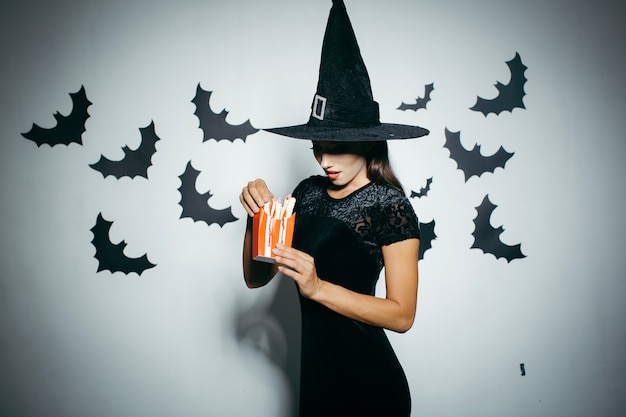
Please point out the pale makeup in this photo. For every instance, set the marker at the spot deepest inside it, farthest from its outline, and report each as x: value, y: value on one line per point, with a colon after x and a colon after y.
x: 344, y: 165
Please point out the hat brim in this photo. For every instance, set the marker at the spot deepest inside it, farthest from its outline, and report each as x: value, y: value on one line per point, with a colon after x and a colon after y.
x: 384, y: 131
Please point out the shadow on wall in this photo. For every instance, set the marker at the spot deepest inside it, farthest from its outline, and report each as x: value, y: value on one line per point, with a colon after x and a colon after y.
x: 276, y: 333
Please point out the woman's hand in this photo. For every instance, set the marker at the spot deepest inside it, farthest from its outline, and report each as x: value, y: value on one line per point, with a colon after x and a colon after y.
x: 300, y: 267
x: 254, y: 195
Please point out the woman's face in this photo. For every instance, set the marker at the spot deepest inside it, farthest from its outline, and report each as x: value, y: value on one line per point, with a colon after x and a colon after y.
x: 344, y: 163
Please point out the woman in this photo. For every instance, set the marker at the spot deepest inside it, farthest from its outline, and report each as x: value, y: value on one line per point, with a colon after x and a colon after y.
x: 349, y: 224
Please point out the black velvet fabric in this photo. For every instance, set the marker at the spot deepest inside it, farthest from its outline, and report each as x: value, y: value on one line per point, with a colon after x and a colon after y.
x: 348, y: 368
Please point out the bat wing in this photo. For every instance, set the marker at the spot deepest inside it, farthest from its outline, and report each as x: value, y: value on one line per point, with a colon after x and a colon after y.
x: 214, y: 125
x: 68, y: 129
x: 135, y: 162
x: 195, y: 205
x: 420, y: 103
x: 510, y: 95
x: 473, y: 162
x: 427, y: 235
x: 111, y: 256
x: 424, y: 190
x: 487, y: 238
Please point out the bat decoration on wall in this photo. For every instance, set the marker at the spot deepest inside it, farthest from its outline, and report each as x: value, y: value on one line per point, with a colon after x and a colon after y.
x: 214, y: 125
x: 135, y: 162
x: 69, y: 129
x: 420, y: 103
x: 424, y: 190
x: 487, y: 238
x: 473, y: 162
x: 427, y: 235
x: 195, y: 205
x: 510, y: 95
x: 111, y: 256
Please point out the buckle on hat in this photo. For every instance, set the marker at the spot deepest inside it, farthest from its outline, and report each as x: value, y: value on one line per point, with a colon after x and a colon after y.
x: 319, y: 106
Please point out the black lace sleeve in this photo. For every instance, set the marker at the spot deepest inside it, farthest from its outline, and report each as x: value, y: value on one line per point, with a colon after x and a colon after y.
x: 397, y: 222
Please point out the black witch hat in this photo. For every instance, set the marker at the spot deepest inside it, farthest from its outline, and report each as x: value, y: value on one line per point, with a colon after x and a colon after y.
x: 343, y: 108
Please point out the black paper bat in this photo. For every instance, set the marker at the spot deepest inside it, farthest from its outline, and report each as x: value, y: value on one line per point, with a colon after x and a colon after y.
x: 214, y: 125
x: 111, y: 256
x: 420, y: 103
x: 135, y: 162
x: 68, y: 129
x: 195, y: 205
x: 427, y: 235
x: 487, y: 238
x: 424, y: 190
x: 473, y: 162
x: 510, y: 95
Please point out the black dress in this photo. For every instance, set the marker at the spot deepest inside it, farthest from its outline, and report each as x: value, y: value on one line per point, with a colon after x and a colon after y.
x: 348, y: 367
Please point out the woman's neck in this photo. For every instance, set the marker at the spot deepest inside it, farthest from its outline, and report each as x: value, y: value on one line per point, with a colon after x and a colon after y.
x: 343, y: 191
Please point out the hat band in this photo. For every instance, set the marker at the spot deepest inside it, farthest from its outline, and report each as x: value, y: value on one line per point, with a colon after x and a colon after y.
x: 328, y: 114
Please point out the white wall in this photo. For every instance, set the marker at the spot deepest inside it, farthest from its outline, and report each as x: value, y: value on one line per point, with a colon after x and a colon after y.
x: 186, y: 338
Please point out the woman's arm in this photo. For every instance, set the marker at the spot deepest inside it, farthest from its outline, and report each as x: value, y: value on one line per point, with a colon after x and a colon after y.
x: 253, y: 196
x: 394, y: 312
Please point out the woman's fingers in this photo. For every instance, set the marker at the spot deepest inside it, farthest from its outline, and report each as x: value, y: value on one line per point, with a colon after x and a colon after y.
x: 248, y: 200
x: 300, y: 267
x: 285, y: 254
x: 298, y: 261
x: 254, y: 195
x: 258, y: 191
x: 245, y: 203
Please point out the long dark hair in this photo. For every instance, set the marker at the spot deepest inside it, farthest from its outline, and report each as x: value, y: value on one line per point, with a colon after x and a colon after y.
x: 379, y: 168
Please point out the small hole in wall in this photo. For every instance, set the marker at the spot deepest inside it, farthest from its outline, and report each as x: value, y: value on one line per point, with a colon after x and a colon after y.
x: 522, y: 368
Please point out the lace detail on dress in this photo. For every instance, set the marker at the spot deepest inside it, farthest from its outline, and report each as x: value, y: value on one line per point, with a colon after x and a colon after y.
x: 378, y: 214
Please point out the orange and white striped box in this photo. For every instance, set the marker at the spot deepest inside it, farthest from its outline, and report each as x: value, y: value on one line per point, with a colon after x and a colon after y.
x: 273, y: 224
